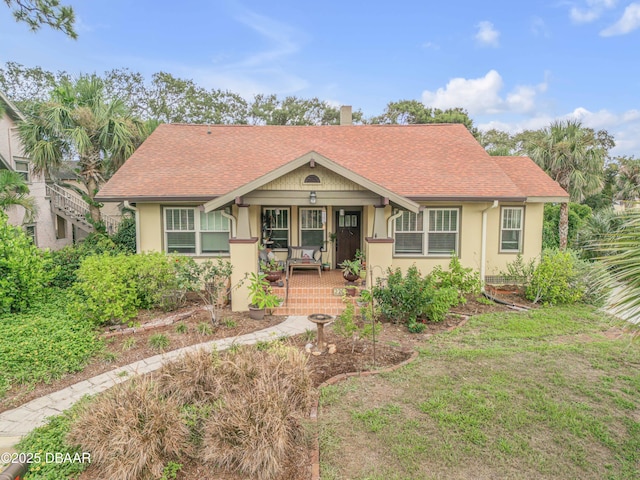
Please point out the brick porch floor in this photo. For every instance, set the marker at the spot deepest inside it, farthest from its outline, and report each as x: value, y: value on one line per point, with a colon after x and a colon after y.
x: 311, y: 293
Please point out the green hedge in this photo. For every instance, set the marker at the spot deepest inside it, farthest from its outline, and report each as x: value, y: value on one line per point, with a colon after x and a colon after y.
x: 111, y: 288
x: 24, y: 269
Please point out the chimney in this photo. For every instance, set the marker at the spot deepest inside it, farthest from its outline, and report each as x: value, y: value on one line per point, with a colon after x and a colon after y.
x: 346, y: 118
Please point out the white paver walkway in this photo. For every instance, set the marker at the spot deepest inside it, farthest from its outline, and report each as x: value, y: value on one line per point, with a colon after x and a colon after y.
x: 18, y: 422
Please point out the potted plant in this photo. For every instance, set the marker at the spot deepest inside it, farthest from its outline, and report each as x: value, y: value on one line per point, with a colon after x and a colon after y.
x: 261, y: 296
x: 361, y: 257
x: 326, y: 267
x: 272, y: 269
x: 351, y: 270
x: 364, y: 298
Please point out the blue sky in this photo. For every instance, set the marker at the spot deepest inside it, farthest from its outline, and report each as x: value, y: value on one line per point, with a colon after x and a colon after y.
x: 512, y: 65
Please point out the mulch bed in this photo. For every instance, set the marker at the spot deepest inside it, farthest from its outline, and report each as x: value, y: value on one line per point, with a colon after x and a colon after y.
x: 132, y: 346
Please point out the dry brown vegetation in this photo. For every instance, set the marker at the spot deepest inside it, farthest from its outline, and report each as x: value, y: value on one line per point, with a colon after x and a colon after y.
x: 131, y: 431
x: 240, y: 411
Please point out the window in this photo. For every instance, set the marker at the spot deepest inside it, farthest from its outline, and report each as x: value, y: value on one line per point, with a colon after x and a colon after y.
x: 180, y: 230
x: 438, y: 237
x: 190, y: 231
x: 30, y: 230
x: 511, y: 229
x: 311, y: 179
x: 443, y: 231
x: 275, y: 227
x: 22, y: 168
x: 312, y: 227
x: 214, y: 232
x: 409, y: 234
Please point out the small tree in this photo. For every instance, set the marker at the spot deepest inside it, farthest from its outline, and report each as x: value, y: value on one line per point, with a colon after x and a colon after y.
x: 210, y: 280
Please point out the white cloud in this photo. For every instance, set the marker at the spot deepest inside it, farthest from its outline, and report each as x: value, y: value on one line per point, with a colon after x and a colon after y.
x: 487, y: 35
x: 482, y: 95
x: 625, y: 126
x: 539, y: 28
x: 593, y: 10
x: 431, y: 46
x: 629, y: 21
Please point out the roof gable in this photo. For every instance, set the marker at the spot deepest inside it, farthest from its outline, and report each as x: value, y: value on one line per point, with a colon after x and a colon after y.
x: 298, y: 162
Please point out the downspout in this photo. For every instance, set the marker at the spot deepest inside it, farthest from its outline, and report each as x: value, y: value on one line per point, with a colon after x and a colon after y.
x: 483, y: 246
x: 137, y: 217
x: 232, y: 219
x: 390, y: 222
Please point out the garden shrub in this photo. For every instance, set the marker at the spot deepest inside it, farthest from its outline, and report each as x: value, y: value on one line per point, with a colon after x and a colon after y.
x: 463, y: 280
x: 24, y: 269
x: 555, y: 280
x: 67, y: 260
x: 111, y: 288
x: 403, y: 298
x: 519, y: 271
x: 442, y: 299
x: 125, y: 236
x: 132, y: 431
x: 412, y: 298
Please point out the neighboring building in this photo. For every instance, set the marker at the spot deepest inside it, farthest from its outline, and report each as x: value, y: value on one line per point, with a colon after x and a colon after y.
x: 403, y: 194
x: 61, y: 211
x: 48, y: 230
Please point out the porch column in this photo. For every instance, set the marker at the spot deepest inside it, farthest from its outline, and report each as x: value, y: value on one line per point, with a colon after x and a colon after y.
x: 243, y: 249
x: 244, y: 258
x: 380, y: 221
x: 379, y: 258
x: 244, y: 225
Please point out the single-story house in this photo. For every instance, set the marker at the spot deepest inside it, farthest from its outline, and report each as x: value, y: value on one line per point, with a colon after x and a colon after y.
x: 403, y: 194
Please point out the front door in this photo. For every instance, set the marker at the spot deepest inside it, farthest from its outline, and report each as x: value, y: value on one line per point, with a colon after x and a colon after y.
x: 347, y: 235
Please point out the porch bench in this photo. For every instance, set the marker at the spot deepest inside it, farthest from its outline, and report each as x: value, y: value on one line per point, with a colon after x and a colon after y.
x: 304, y: 258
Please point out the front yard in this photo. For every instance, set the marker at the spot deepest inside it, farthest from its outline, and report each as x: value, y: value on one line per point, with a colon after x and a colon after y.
x: 552, y: 393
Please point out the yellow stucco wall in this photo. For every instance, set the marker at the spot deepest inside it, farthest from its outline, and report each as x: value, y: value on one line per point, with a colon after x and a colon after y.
x: 151, y: 236
x: 471, y: 235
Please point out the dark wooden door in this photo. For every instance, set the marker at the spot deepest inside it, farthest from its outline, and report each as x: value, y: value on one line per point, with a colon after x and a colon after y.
x: 347, y: 235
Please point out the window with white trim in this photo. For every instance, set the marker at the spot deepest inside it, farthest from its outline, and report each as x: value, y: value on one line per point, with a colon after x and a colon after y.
x: 409, y: 234
x: 438, y: 237
x: 275, y: 227
x: 190, y: 231
x: 22, y: 167
x: 442, y: 232
x: 312, y: 232
x: 214, y: 232
x: 511, y: 229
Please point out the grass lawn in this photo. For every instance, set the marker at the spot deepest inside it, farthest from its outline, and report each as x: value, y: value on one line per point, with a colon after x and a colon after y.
x: 544, y: 394
x: 43, y: 344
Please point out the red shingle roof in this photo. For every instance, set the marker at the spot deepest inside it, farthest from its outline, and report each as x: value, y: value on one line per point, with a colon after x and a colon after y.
x: 529, y: 178
x: 417, y: 161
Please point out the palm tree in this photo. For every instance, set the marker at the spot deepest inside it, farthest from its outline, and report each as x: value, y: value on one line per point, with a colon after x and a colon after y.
x: 622, y: 256
x: 574, y: 157
x: 15, y: 191
x: 628, y: 180
x: 79, y: 123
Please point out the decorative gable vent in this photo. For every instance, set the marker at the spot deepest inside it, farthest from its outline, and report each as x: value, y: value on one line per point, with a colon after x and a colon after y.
x: 312, y: 179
